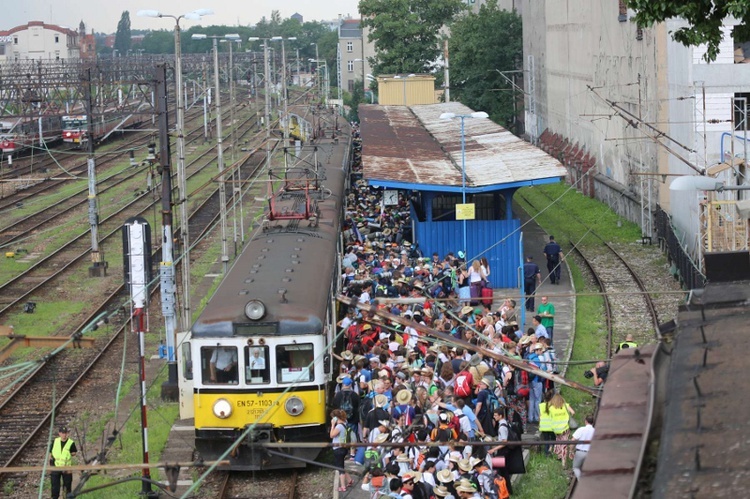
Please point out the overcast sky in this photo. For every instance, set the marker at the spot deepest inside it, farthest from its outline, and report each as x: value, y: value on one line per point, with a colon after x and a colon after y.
x: 103, y: 15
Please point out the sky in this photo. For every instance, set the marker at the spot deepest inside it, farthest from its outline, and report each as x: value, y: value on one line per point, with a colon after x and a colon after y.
x: 103, y: 15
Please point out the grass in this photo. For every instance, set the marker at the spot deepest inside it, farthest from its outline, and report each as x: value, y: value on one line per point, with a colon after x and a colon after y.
x: 544, y: 478
x: 47, y: 317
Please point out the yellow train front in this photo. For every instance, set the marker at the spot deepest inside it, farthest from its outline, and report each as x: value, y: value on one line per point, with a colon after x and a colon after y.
x: 256, y: 366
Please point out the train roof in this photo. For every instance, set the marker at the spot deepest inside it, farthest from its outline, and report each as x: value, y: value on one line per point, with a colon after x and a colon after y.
x: 288, y: 268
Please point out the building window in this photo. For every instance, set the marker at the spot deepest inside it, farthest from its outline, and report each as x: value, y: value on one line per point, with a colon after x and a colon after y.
x: 739, y: 109
x: 15, y: 40
x: 741, y: 39
x: 351, y: 86
x: 57, y: 38
x: 350, y: 46
x: 350, y: 66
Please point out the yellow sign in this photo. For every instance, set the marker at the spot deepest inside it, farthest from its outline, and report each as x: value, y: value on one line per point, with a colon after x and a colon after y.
x: 465, y: 211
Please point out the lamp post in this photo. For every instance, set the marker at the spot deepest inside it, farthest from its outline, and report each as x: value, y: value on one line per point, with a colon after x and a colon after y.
x: 219, y: 146
x: 317, y: 58
x: 283, y: 85
x: 267, y: 89
x: 463, y: 117
x: 166, y: 267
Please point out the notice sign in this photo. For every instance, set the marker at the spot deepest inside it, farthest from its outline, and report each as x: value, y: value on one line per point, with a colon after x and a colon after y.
x: 465, y: 211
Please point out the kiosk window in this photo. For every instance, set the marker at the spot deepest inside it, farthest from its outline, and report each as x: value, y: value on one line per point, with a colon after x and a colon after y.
x: 257, y: 369
x: 294, y: 363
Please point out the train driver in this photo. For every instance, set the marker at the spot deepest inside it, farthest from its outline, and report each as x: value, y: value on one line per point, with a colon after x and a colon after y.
x: 223, y: 365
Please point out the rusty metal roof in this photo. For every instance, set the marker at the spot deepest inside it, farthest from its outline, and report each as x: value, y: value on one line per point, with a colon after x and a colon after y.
x: 704, y: 449
x: 412, y: 145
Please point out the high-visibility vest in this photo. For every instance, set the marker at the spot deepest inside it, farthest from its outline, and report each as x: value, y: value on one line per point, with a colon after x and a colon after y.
x: 630, y: 344
x: 556, y: 421
x: 61, y: 453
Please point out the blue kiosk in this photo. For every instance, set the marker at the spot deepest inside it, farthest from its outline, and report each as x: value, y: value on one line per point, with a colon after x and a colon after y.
x: 419, y: 149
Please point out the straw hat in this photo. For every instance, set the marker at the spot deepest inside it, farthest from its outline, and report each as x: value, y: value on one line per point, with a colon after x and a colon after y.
x: 486, y: 381
x: 403, y: 397
x: 403, y: 458
x: 347, y: 355
x: 384, y: 422
x: 341, y: 377
x: 465, y: 486
x: 473, y: 461
x: 444, y: 476
x: 381, y: 438
x: 412, y: 475
x: 381, y: 400
x: 466, y: 310
x: 441, y: 491
x: 464, y: 465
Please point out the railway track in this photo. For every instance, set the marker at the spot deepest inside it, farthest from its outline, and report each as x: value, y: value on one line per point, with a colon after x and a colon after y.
x: 236, y: 485
x: 64, y: 372
x: 43, y: 183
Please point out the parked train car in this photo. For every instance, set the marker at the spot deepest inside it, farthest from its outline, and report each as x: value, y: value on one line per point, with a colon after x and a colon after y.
x: 256, y: 365
x: 18, y: 135
x: 75, y: 127
x: 299, y: 128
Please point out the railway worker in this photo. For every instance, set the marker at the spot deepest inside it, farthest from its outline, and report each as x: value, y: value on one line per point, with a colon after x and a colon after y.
x: 223, y: 365
x: 628, y: 343
x: 532, y: 277
x: 61, y: 452
x: 583, y: 433
x: 547, y: 312
x: 554, y: 254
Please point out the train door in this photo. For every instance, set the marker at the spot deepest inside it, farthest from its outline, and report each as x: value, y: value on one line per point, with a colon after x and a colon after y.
x: 185, y: 375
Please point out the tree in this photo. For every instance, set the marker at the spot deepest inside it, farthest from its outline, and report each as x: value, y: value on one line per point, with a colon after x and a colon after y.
x: 481, y: 45
x: 353, y: 100
x: 704, y: 19
x: 406, y: 33
x: 122, y: 37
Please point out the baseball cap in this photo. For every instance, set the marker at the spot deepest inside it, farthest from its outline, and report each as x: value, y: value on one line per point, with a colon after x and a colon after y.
x: 347, y: 382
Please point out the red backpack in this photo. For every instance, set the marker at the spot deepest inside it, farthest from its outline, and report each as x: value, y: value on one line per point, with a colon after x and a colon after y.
x: 522, y: 383
x: 462, y: 387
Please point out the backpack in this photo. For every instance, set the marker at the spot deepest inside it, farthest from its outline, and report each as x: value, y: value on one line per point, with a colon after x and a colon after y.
x: 444, y: 435
x: 521, y: 381
x: 373, y: 459
x: 346, y: 403
x: 498, y: 488
x: 492, y: 402
x: 349, y: 435
x: 513, y: 434
x: 462, y: 388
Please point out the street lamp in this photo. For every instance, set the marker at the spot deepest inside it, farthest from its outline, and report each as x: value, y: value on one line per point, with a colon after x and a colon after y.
x: 267, y: 88
x: 283, y: 85
x: 463, y: 117
x: 219, y: 145
x: 167, y: 267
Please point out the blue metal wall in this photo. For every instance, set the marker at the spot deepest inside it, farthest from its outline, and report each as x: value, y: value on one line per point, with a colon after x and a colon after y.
x: 445, y: 237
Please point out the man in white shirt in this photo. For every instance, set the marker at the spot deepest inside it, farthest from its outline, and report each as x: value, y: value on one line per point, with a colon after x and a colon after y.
x: 257, y: 363
x: 223, y: 365
x: 582, y: 450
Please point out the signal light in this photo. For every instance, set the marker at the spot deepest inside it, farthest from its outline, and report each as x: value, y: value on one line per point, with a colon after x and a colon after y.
x: 151, y: 152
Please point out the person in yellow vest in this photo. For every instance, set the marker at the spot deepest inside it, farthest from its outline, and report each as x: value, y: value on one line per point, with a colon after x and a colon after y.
x: 628, y: 343
x: 61, y: 454
x: 554, y: 417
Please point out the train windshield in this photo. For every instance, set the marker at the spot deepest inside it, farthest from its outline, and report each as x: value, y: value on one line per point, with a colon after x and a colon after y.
x: 294, y: 363
x: 219, y: 365
x: 257, y: 369
x: 74, y: 121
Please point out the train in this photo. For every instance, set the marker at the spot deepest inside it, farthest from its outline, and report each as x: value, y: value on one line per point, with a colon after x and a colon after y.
x: 256, y: 366
x: 20, y: 134
x: 75, y: 127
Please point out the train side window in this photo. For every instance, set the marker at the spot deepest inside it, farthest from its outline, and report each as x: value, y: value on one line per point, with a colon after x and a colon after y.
x: 187, y: 361
x: 257, y: 368
x: 294, y: 363
x: 219, y: 365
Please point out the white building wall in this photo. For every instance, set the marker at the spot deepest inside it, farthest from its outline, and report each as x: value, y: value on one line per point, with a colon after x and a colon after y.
x: 38, y: 41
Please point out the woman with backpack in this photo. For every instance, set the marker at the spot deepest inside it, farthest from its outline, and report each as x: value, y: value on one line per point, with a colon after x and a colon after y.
x: 338, y: 436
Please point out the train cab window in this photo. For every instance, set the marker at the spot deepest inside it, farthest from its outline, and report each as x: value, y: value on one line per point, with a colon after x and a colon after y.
x: 257, y: 369
x: 294, y: 363
x: 219, y: 365
x: 187, y: 361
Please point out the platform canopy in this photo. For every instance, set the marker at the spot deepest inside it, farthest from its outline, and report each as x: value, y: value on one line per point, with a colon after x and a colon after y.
x: 413, y: 148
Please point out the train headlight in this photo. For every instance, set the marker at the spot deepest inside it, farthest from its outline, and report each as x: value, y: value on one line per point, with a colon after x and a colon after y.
x: 255, y: 310
x: 222, y: 409
x: 294, y: 406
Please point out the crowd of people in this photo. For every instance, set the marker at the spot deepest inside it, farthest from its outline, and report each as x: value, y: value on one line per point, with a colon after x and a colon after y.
x: 449, y: 412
